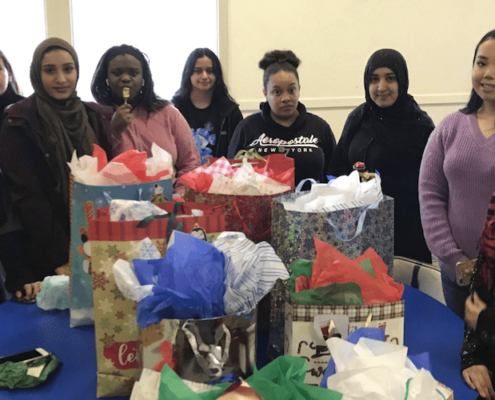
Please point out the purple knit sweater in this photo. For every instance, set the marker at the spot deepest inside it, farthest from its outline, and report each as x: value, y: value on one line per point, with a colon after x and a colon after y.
x: 457, y: 179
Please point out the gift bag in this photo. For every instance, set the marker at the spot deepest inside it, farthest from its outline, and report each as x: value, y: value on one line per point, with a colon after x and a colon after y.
x: 302, y: 338
x: 202, y: 350
x: 351, y: 231
x: 250, y: 214
x: 85, y: 199
x: 116, y: 330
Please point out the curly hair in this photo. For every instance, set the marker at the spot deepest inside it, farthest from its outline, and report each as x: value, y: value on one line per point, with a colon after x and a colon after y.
x: 278, y: 60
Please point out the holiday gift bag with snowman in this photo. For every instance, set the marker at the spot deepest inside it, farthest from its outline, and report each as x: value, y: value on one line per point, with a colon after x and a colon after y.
x: 94, y: 181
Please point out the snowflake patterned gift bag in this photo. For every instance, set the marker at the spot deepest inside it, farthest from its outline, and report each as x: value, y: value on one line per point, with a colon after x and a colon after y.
x: 116, y: 329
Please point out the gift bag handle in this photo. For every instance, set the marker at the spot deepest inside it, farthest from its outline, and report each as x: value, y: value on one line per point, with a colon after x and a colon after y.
x: 213, y: 364
x: 252, y: 234
x: 300, y: 184
x: 359, y: 227
x: 172, y: 217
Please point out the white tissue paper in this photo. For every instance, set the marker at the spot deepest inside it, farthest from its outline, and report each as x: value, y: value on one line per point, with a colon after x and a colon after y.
x: 125, y: 277
x: 160, y: 160
x: 132, y: 210
x: 376, y: 370
x: 346, y: 191
x: 251, y: 271
x: 148, y: 386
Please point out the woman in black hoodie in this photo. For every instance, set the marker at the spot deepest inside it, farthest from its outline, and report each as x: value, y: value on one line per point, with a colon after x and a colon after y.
x: 283, y: 125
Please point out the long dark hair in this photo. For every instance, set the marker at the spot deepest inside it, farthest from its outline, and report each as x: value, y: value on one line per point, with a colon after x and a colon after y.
x: 475, y: 101
x: 12, y: 80
x: 102, y: 93
x: 278, y: 60
x: 220, y: 90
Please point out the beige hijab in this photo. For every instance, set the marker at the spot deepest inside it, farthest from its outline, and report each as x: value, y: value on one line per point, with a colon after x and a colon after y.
x: 65, y: 122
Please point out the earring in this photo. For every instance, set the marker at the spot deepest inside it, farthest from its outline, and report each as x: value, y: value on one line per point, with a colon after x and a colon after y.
x: 106, y: 81
x: 143, y: 83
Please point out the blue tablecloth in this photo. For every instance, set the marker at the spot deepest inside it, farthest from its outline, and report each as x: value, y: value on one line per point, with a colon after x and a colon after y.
x: 429, y: 326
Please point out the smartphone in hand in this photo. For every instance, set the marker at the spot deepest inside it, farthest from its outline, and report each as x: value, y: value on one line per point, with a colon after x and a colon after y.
x: 464, y: 271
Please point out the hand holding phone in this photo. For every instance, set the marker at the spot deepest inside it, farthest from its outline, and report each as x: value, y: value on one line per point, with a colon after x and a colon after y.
x: 464, y: 271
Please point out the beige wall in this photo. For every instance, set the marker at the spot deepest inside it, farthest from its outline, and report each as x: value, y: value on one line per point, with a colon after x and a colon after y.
x: 334, y: 39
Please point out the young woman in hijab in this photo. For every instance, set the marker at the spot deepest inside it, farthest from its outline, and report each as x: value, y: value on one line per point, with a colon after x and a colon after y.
x: 143, y: 118
x: 389, y: 133
x: 283, y: 125
x: 458, y: 176
x: 38, y: 137
x: 205, y: 102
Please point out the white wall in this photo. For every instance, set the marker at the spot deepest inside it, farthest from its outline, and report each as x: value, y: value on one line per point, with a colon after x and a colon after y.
x: 334, y: 39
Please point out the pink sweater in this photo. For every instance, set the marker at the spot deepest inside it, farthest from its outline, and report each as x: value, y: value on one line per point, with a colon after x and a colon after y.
x: 457, y: 179
x: 169, y: 130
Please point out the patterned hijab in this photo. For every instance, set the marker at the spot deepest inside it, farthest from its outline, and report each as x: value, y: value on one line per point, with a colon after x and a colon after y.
x: 66, y: 125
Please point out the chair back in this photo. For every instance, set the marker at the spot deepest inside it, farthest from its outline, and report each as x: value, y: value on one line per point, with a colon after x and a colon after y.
x: 422, y: 276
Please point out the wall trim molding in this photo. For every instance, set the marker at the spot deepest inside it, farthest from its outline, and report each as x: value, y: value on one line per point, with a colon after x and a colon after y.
x: 335, y: 103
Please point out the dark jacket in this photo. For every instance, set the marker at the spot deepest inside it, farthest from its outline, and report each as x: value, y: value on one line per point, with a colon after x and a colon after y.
x: 309, y: 141
x: 26, y: 159
x: 230, y: 116
x: 397, y: 146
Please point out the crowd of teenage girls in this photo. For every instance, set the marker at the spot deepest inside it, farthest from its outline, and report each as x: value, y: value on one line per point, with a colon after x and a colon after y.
x: 441, y: 177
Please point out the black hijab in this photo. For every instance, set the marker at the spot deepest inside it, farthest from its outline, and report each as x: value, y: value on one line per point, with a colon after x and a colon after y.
x: 404, y: 117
